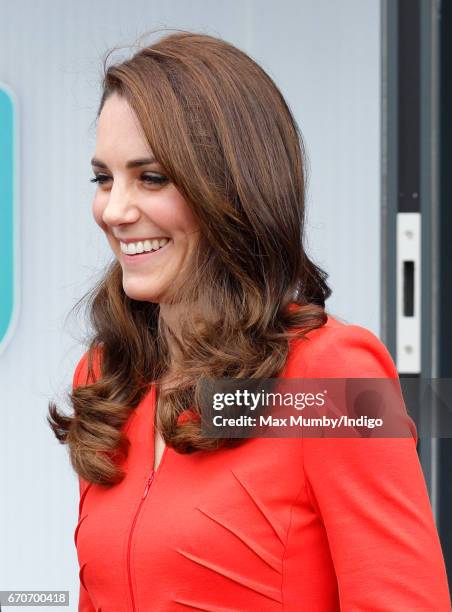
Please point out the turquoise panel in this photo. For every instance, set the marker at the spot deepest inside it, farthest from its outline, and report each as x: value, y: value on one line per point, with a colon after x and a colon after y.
x: 7, y: 169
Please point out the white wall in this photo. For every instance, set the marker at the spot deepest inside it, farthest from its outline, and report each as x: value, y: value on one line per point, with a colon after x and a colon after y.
x: 325, y: 57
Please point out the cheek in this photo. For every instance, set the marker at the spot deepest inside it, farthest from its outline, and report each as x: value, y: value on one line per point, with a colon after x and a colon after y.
x: 176, y: 215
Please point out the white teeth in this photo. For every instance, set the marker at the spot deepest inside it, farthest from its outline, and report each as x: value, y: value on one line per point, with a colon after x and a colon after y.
x: 132, y: 248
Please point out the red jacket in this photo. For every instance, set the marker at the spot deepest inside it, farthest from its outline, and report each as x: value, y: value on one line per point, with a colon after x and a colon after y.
x: 313, y: 525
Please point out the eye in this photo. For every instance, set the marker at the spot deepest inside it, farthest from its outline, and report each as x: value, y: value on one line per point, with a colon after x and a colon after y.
x: 154, y: 179
x: 99, y: 178
x: 150, y: 179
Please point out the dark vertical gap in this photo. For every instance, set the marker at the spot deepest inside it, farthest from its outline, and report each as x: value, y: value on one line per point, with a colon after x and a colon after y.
x: 445, y: 269
x: 409, y: 106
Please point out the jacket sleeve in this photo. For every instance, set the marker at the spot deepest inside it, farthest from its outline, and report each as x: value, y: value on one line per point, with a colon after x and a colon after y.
x: 372, y: 498
x: 84, y: 602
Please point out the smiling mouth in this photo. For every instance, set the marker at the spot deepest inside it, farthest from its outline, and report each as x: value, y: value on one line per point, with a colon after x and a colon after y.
x: 143, y: 246
x: 129, y: 257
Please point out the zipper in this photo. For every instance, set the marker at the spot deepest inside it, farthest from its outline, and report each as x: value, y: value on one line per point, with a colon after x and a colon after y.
x: 148, y: 484
x: 149, y: 480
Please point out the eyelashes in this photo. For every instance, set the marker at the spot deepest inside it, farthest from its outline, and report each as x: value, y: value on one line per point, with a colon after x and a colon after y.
x: 150, y: 179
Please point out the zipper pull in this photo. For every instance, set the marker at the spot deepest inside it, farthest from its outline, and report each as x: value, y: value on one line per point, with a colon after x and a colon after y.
x: 148, y: 483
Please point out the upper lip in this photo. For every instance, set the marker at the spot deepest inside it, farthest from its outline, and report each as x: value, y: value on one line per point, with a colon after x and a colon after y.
x: 127, y: 240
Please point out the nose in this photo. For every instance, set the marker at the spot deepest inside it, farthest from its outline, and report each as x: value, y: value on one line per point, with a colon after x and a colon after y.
x: 119, y: 208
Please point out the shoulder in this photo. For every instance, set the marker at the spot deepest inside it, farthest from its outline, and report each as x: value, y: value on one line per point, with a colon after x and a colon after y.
x: 82, y: 375
x: 339, y: 349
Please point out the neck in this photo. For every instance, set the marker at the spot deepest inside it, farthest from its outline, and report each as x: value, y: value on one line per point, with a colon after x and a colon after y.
x: 169, y: 314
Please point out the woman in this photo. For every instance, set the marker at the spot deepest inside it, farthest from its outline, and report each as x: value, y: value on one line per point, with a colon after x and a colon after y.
x: 200, y: 188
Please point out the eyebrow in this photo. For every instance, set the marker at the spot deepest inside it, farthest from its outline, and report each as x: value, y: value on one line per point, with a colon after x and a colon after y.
x: 133, y: 163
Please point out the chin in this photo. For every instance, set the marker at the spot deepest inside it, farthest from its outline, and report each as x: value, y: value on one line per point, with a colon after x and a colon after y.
x: 142, y: 294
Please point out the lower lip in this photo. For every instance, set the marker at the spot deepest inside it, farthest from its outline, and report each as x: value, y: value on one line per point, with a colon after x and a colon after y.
x: 143, y: 257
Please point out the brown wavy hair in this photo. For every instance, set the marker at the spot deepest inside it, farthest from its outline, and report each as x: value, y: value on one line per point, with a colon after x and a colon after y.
x: 221, y: 129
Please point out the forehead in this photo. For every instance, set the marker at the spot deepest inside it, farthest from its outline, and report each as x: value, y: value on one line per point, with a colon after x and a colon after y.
x: 118, y: 129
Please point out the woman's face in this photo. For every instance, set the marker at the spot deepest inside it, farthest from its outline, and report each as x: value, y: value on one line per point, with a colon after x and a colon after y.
x: 138, y: 207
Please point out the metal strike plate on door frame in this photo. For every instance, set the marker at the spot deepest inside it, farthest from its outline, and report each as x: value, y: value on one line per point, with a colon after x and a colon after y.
x: 408, y: 282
